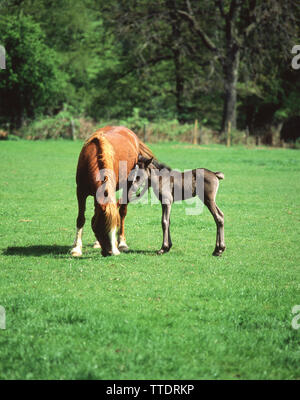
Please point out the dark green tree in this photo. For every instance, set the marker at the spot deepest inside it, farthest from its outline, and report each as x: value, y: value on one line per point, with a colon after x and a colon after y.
x: 31, y: 84
x: 243, y: 27
x: 222, y: 34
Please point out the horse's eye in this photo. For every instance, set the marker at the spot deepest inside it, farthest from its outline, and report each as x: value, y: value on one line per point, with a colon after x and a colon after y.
x: 138, y: 178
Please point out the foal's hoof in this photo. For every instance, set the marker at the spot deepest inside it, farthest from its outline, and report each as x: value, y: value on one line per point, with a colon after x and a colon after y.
x: 96, y: 245
x: 162, y: 251
x: 218, y: 252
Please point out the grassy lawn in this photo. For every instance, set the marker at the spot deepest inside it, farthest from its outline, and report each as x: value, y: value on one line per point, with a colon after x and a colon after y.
x: 183, y: 315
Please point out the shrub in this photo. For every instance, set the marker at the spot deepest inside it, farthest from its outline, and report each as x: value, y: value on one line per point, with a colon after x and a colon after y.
x: 297, y: 144
x: 60, y: 126
x: 237, y: 137
x: 135, y: 122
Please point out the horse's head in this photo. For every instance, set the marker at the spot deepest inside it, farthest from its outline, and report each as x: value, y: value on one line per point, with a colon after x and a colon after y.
x: 106, y: 221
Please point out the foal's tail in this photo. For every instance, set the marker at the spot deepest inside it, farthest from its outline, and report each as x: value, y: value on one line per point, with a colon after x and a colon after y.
x: 220, y: 175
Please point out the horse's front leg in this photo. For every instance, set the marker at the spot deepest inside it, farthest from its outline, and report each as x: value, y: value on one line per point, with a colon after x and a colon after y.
x: 76, y: 250
x: 122, y: 246
x: 165, y: 222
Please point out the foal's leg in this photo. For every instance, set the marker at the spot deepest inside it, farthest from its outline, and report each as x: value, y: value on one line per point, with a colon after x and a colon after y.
x: 77, y: 245
x: 122, y: 246
x: 165, y: 222
x: 219, y: 220
x: 221, y: 232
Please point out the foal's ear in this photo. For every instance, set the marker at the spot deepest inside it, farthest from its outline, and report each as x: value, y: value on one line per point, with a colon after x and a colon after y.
x: 145, y: 162
x: 142, y: 159
x: 148, y: 162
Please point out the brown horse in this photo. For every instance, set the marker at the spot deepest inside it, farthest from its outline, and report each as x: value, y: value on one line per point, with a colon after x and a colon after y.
x: 104, y: 165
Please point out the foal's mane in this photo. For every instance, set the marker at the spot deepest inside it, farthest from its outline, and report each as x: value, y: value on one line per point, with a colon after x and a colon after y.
x: 106, y: 159
x: 160, y: 165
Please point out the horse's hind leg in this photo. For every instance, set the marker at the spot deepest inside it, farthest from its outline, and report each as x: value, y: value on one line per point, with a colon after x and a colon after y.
x: 221, y: 230
x: 77, y: 245
x: 219, y: 220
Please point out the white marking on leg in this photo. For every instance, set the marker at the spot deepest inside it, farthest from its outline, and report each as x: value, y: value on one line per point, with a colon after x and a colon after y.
x: 113, y: 242
x: 123, y: 245
x: 77, y: 245
x: 97, y: 245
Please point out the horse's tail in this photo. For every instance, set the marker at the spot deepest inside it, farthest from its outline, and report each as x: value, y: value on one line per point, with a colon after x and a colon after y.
x: 145, y: 151
x: 106, y: 161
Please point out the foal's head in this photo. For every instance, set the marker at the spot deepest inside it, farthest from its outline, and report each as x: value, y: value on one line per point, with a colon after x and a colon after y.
x: 147, y: 168
x: 141, y: 174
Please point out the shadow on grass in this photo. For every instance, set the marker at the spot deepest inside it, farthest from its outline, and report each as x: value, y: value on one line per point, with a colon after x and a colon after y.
x: 56, y: 251
x: 37, y: 251
x: 149, y: 252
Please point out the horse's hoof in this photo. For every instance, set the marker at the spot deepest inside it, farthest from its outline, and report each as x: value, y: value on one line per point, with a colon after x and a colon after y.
x: 123, y: 248
x: 96, y: 245
x: 110, y: 253
x: 115, y: 252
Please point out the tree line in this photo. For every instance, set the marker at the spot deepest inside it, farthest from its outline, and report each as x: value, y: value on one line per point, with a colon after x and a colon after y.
x: 226, y: 63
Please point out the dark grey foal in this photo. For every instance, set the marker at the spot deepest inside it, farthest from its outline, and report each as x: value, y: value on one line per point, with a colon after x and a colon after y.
x: 171, y: 185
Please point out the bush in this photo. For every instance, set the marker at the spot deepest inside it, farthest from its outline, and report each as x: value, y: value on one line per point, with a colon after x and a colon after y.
x: 60, y: 126
x: 136, y: 123
x: 237, y: 137
x: 297, y: 144
x: 167, y: 130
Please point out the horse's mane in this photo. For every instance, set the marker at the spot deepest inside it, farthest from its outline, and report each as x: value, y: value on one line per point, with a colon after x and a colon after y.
x: 106, y: 161
x: 145, y: 151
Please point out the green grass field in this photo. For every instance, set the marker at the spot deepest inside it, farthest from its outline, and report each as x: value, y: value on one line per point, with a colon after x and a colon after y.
x: 183, y: 315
